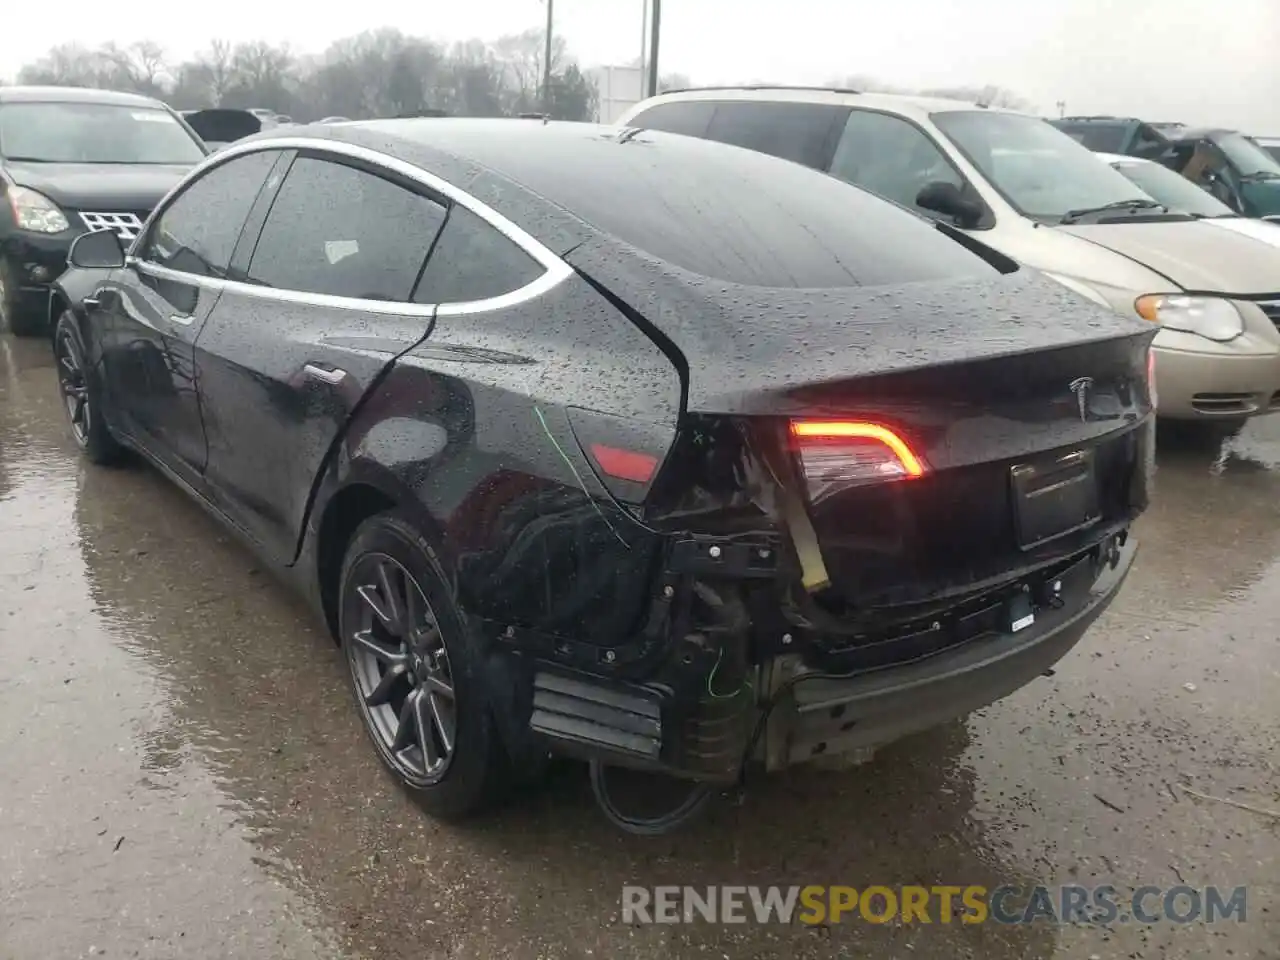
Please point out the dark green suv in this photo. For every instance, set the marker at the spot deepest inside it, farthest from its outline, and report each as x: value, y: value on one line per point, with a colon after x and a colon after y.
x: 1239, y: 172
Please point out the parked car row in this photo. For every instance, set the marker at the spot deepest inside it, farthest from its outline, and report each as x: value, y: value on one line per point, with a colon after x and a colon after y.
x: 1035, y: 194
x: 646, y: 448
x: 1239, y: 170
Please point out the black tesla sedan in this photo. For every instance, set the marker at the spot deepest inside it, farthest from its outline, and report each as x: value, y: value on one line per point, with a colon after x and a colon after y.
x: 73, y: 159
x: 619, y: 444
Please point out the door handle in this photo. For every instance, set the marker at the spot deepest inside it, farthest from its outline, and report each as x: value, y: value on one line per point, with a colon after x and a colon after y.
x: 181, y: 320
x: 326, y: 376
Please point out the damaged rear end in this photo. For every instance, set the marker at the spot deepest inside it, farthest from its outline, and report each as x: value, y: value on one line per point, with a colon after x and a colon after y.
x: 882, y: 509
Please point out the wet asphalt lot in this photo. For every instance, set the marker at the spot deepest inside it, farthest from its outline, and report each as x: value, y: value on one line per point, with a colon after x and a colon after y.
x: 182, y: 774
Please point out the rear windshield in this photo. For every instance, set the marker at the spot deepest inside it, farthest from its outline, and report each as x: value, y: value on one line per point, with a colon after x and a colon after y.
x: 1098, y: 137
x: 728, y: 213
x: 94, y: 133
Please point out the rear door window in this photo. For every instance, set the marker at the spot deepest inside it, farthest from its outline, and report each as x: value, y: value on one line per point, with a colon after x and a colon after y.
x: 891, y: 157
x: 802, y: 132
x: 473, y: 261
x: 342, y: 231
x: 689, y: 117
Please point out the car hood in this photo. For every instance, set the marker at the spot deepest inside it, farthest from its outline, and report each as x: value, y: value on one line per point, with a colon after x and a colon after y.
x: 99, y: 186
x: 1195, y: 255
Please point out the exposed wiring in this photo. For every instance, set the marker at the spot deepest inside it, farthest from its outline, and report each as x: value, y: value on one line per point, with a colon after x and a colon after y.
x: 691, y: 806
x: 577, y: 476
x: 699, y: 793
x: 774, y: 699
x: 745, y: 685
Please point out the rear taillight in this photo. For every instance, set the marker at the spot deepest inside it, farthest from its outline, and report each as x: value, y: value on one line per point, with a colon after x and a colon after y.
x: 624, y: 453
x: 841, y: 453
x: 630, y: 465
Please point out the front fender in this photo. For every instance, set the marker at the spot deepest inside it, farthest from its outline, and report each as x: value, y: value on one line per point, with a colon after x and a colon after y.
x: 70, y: 290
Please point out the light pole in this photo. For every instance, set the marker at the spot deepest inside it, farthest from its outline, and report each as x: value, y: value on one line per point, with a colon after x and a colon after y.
x: 644, y: 42
x: 654, y: 25
x: 546, y: 65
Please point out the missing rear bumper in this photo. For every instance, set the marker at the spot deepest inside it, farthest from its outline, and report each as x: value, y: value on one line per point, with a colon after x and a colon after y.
x: 823, y: 716
x: 790, y: 710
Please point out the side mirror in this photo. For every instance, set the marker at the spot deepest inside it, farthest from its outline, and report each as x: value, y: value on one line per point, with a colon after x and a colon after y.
x: 99, y: 250
x: 947, y: 199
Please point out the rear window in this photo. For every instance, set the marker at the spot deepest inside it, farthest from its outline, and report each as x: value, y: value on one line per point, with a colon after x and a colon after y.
x: 689, y: 117
x: 1098, y: 137
x: 727, y: 213
x: 803, y: 132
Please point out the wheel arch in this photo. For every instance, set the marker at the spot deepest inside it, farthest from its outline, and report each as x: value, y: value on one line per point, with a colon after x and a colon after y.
x: 363, y: 491
x: 58, y: 302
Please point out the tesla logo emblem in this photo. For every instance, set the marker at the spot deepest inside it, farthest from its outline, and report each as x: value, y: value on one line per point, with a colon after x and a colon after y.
x: 1081, y: 386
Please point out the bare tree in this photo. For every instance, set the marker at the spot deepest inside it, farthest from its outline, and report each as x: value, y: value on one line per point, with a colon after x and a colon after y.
x: 989, y: 96
x: 262, y: 76
x: 68, y: 64
x: 674, y: 81
x: 213, y: 71
x: 378, y: 73
x: 521, y: 55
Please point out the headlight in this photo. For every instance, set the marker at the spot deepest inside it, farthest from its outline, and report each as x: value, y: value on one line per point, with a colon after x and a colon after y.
x: 1210, y: 317
x: 36, y: 212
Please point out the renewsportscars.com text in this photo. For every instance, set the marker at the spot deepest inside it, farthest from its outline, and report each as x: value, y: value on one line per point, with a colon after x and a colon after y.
x: 1067, y: 904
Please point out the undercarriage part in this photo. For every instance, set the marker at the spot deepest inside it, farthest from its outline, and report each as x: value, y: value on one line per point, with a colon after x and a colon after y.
x: 696, y: 801
x: 595, y: 714
x: 813, y: 570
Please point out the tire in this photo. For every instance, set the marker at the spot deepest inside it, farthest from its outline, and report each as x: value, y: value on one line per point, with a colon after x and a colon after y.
x: 20, y: 321
x: 82, y: 394
x: 398, y: 675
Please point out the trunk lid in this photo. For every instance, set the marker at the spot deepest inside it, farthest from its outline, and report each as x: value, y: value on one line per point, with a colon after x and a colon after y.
x: 1027, y: 406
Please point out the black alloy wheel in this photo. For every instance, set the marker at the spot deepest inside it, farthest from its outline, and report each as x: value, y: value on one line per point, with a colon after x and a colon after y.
x: 401, y: 669
x: 75, y: 389
x: 414, y: 671
x: 80, y: 394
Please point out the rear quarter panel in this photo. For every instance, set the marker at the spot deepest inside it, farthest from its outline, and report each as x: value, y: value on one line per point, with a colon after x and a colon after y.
x: 471, y: 426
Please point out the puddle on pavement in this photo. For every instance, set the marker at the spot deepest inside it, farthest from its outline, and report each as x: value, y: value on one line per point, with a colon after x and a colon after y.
x: 207, y: 722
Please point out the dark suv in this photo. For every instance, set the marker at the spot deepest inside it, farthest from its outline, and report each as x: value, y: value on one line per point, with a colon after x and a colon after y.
x: 1123, y: 135
x: 72, y: 160
x: 1238, y: 171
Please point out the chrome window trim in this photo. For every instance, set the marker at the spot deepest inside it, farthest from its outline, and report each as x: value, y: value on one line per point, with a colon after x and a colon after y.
x: 555, y: 270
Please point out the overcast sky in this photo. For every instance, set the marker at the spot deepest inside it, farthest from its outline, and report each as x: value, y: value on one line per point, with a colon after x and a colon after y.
x: 1188, y: 60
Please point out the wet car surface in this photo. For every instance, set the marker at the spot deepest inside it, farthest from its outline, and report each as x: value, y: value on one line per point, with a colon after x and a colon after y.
x: 185, y: 774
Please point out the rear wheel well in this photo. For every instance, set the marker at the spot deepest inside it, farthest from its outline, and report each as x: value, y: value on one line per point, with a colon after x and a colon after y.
x: 343, y: 515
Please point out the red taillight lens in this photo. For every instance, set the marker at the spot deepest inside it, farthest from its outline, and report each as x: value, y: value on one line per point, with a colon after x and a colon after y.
x: 624, y: 464
x: 1151, y: 375
x: 836, y: 453
x: 626, y: 454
